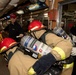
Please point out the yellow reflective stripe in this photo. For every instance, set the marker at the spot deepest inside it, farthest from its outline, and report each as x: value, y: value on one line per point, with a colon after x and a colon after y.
x: 3, y: 48
x: 31, y: 71
x: 68, y: 65
x: 60, y: 52
x: 12, y: 44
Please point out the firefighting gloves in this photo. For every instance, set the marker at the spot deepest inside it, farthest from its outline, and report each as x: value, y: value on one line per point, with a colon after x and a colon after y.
x: 42, y: 65
x: 73, y: 51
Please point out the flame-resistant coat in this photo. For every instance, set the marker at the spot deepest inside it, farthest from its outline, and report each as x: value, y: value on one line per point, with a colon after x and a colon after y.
x: 20, y: 63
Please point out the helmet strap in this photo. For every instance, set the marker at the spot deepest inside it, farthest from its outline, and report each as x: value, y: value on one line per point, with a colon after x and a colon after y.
x: 32, y: 33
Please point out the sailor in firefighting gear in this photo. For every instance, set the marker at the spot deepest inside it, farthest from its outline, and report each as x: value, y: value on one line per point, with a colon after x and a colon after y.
x: 61, y: 49
x: 16, y: 59
x: 23, y: 64
x: 6, y: 46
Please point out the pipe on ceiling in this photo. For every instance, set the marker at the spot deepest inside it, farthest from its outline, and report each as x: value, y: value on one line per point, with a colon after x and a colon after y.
x: 3, y: 3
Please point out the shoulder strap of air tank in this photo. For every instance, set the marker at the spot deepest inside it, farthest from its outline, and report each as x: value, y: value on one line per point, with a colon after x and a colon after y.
x: 42, y: 38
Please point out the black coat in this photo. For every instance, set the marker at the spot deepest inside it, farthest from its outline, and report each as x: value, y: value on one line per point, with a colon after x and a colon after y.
x: 14, y: 30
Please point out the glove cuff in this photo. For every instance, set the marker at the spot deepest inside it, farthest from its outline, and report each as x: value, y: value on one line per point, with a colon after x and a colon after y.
x: 50, y: 58
x: 31, y: 71
x: 44, y: 63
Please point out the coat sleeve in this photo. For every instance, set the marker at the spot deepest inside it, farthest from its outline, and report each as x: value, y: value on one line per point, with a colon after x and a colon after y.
x: 61, y: 48
x: 21, y: 31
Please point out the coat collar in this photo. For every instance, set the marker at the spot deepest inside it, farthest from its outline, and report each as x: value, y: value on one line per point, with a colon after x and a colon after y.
x: 38, y: 34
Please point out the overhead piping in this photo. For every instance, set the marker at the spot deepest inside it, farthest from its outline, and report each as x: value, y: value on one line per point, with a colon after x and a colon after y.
x: 3, y: 4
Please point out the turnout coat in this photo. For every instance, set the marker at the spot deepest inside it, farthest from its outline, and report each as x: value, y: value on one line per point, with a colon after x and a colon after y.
x: 20, y: 62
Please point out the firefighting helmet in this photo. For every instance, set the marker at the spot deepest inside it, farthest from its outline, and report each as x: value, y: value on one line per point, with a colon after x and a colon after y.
x: 12, y: 15
x: 7, y: 43
x: 35, y: 25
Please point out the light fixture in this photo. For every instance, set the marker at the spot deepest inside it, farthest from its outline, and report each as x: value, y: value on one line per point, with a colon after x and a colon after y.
x: 45, y: 14
x: 42, y: 0
x: 20, y: 12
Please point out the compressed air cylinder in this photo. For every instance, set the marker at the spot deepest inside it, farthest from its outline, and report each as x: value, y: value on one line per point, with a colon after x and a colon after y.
x: 35, y: 45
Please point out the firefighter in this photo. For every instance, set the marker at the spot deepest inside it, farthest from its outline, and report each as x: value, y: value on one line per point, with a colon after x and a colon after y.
x: 16, y: 59
x: 23, y: 64
x: 6, y: 46
x: 61, y: 49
